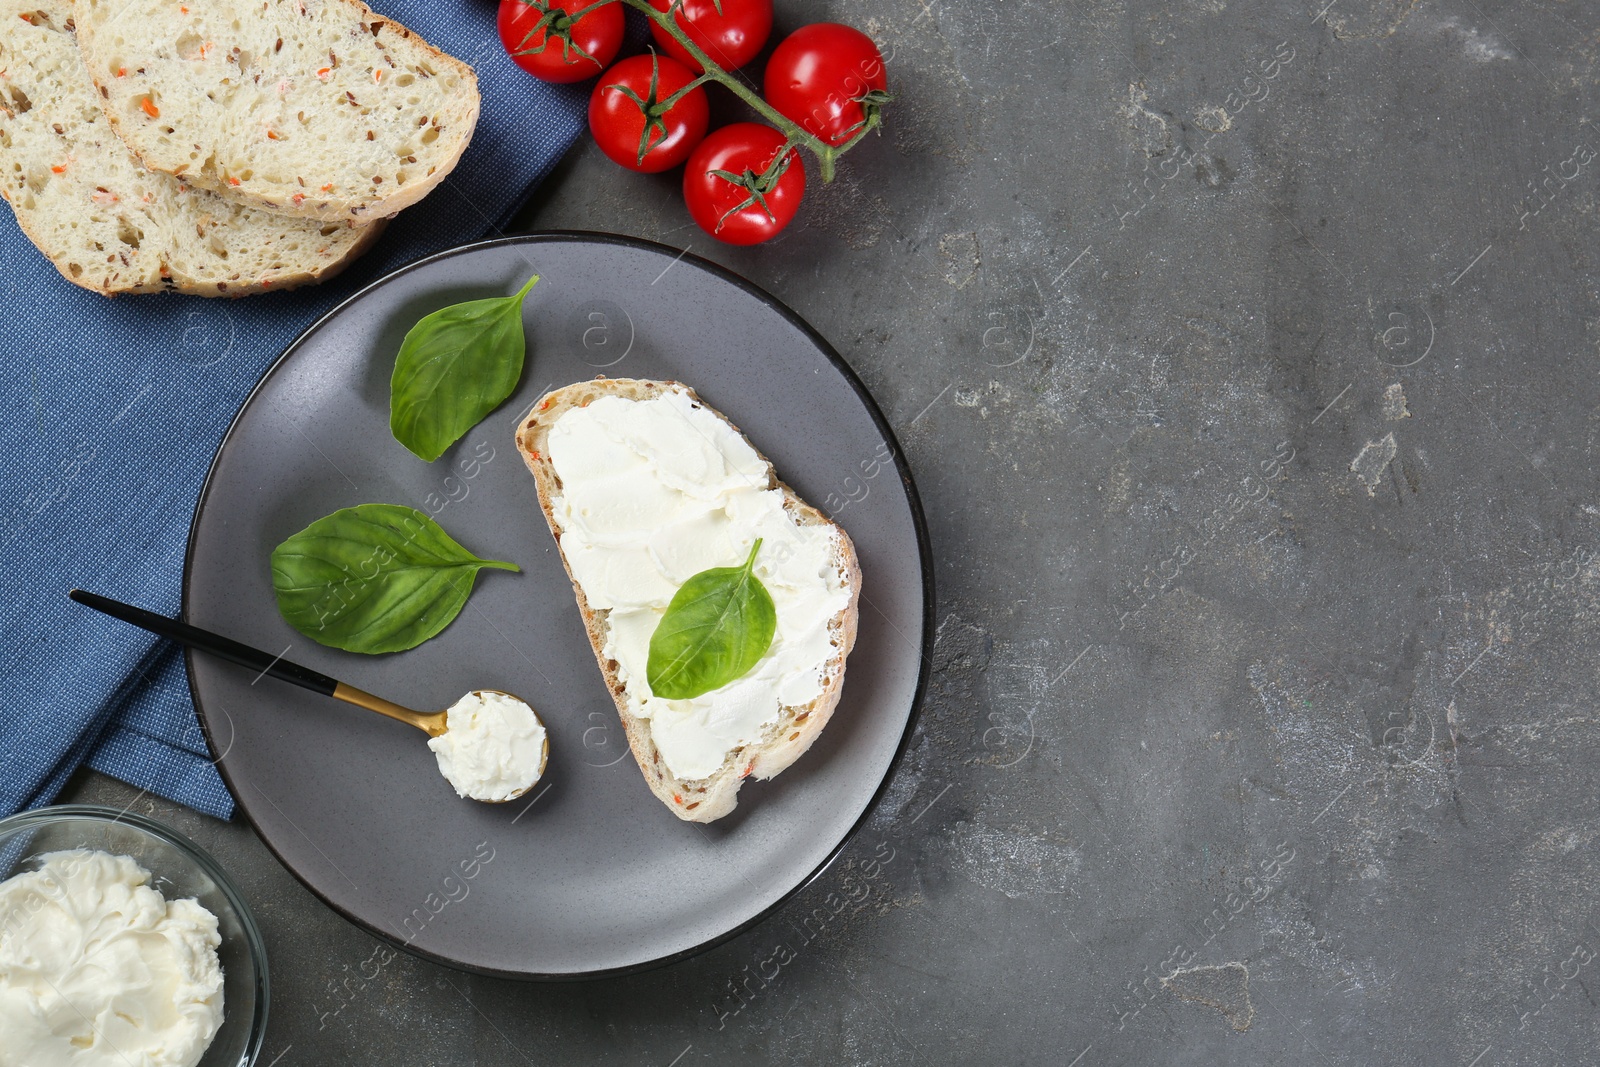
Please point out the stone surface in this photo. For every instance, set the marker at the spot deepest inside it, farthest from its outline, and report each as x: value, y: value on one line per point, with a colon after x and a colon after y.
x: 1132, y: 282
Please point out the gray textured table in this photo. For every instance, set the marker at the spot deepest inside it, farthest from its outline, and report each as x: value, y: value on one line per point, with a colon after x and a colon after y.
x: 1243, y: 354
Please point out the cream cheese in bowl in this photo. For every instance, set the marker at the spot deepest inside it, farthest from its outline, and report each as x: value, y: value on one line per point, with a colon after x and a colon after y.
x: 98, y: 969
x: 73, y: 880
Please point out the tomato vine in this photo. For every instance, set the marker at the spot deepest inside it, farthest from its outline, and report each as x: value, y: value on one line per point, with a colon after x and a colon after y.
x: 558, y: 23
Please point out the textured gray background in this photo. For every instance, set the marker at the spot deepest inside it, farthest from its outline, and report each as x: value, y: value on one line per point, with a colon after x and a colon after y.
x: 1248, y: 678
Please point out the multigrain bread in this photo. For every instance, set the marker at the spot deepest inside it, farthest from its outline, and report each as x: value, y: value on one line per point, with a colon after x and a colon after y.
x: 783, y: 741
x: 318, y: 108
x: 106, y: 222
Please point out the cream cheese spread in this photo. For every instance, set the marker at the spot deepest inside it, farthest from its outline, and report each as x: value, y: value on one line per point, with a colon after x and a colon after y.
x: 655, y: 491
x: 98, y: 969
x: 493, y: 748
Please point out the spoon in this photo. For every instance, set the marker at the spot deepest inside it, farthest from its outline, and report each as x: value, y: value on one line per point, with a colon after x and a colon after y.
x: 432, y: 723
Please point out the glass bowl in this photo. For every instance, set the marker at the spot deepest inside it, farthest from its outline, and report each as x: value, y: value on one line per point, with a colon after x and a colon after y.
x: 178, y: 868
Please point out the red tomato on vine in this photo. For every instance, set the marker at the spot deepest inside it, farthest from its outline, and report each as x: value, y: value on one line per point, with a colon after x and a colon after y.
x: 542, y: 38
x: 730, y: 32
x: 744, y: 183
x: 828, y: 79
x: 644, y: 115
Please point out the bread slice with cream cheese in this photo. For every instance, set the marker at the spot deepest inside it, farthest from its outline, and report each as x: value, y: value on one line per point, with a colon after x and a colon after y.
x: 791, y: 728
x: 106, y: 222
x: 317, y: 108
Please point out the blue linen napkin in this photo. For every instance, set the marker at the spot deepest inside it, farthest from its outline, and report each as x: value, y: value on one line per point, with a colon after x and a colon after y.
x: 110, y: 411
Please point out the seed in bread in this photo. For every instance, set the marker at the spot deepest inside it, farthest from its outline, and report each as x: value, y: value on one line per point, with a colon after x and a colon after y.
x: 644, y: 485
x: 320, y: 108
x: 106, y: 222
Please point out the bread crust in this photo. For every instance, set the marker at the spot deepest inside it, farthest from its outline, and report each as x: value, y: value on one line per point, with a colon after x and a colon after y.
x: 356, y: 204
x: 706, y: 799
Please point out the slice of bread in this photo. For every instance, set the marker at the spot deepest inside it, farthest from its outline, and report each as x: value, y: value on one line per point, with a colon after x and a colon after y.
x: 106, y: 222
x: 319, y: 108
x: 782, y: 741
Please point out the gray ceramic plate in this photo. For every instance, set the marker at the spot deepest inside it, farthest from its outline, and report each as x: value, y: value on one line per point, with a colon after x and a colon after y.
x: 593, y: 875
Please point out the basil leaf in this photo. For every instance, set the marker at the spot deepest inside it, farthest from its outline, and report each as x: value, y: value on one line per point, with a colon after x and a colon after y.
x: 373, y: 578
x: 716, y: 627
x: 454, y: 367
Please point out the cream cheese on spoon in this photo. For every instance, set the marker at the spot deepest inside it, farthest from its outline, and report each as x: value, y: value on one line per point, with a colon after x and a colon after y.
x: 494, y: 748
x: 98, y: 969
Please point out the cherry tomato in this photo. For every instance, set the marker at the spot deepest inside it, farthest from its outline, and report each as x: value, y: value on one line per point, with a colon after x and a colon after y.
x: 628, y: 119
x: 731, y: 38
x: 763, y: 192
x: 560, y: 50
x: 828, y: 78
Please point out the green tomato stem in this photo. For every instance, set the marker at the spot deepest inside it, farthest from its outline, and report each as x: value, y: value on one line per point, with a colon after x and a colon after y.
x: 833, y: 152
x: 576, y: 15
x: 670, y: 102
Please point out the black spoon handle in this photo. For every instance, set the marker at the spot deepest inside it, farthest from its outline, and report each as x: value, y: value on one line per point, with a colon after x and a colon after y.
x: 206, y: 641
